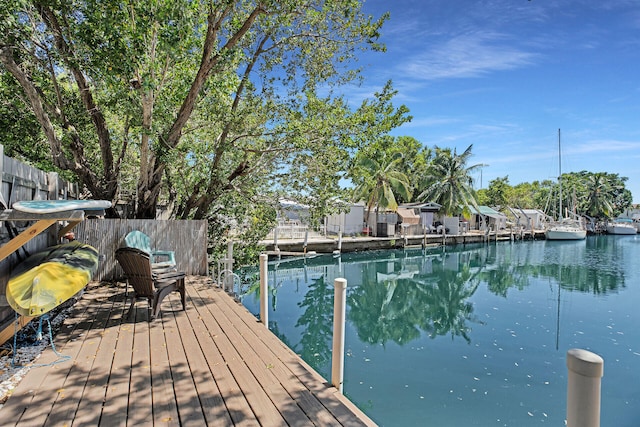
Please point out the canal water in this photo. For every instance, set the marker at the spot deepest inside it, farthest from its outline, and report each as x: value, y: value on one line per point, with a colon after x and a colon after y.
x: 468, y: 336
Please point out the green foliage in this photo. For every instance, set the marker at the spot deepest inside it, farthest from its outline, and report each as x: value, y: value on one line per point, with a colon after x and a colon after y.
x: 380, y: 182
x: 597, y: 194
x: 414, y: 162
x: 499, y: 192
x: 195, y: 103
x: 600, y: 195
x: 449, y: 181
x: 482, y: 198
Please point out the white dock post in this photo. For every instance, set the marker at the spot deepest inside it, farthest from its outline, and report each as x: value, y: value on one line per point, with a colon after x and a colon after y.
x: 340, y: 239
x: 583, y: 388
x: 264, y: 290
x: 306, y: 240
x: 228, y: 282
x: 339, y: 315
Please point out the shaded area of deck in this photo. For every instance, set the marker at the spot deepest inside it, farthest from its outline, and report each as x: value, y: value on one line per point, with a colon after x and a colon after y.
x: 212, y: 364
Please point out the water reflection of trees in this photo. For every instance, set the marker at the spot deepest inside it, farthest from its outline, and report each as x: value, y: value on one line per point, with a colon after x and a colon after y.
x: 447, y: 303
x: 398, y: 297
x: 592, y: 267
x: 595, y: 266
x: 316, y: 322
x: 387, y: 310
x: 431, y: 296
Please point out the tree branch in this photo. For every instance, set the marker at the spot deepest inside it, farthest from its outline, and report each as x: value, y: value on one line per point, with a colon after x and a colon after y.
x: 207, y: 64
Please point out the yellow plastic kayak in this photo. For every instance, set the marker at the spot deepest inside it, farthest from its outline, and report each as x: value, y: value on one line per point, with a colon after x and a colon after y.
x: 48, y: 278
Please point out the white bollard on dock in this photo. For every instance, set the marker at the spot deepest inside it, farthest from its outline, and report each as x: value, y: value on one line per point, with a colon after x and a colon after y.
x: 264, y: 290
x: 583, y: 388
x: 228, y: 278
x: 339, y: 318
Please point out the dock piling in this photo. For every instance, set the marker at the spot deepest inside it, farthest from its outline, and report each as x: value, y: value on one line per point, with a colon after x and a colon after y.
x: 339, y: 315
x: 264, y: 289
x: 583, y: 388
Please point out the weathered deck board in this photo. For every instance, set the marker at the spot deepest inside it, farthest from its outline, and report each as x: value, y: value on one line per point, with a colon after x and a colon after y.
x: 339, y: 406
x: 103, y: 345
x: 165, y: 410
x: 206, y: 331
x: 271, y: 372
x: 70, y: 393
x: 212, y: 364
x: 69, y: 341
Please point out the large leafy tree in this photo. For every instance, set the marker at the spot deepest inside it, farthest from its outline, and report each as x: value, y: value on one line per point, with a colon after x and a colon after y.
x: 192, y: 99
x: 499, y: 192
x: 450, y: 181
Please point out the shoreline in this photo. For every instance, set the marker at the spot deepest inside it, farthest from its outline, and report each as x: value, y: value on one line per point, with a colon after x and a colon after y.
x: 328, y: 245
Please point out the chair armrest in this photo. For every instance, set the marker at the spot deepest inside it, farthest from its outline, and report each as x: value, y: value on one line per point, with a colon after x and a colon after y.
x: 163, y: 258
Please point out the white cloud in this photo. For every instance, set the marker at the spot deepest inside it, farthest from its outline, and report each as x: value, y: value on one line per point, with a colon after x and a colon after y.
x: 469, y: 55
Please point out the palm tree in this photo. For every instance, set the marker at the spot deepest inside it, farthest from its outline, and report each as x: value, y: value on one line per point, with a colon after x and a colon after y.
x: 451, y: 184
x: 381, y: 182
x: 599, y: 196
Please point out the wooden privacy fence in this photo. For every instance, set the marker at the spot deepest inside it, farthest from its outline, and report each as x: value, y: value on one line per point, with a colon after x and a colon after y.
x: 19, y: 181
x: 188, y: 239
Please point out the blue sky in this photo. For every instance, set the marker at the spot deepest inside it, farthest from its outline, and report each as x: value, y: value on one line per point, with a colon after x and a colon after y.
x: 505, y: 75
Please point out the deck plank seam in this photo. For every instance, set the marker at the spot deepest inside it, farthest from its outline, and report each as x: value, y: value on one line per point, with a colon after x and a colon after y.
x: 274, y: 386
x: 239, y: 369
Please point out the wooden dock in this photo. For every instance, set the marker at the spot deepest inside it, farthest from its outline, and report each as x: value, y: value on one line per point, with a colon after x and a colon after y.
x: 211, y: 365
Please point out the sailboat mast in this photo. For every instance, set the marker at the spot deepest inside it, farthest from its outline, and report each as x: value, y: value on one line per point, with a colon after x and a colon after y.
x: 560, y: 216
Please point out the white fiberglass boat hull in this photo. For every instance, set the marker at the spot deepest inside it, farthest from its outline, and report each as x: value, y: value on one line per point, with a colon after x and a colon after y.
x: 565, y: 233
x: 621, y: 229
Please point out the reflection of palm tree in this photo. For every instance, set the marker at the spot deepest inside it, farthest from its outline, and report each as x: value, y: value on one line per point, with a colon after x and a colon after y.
x: 448, y: 308
x: 317, y: 323
x: 397, y: 308
x: 386, y: 310
x: 586, y: 275
x: 508, y: 274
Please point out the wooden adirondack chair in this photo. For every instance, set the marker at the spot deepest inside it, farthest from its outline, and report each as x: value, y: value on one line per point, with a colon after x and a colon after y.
x: 137, y: 239
x: 148, y: 283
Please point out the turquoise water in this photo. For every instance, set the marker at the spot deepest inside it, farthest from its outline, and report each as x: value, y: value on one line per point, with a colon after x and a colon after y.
x: 469, y: 336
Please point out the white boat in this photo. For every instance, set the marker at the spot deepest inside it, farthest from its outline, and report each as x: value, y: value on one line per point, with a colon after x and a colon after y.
x: 621, y: 226
x: 565, y: 228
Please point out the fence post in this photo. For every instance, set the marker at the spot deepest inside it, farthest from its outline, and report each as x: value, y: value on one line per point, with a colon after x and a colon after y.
x: 583, y: 388
x: 339, y: 314
x: 264, y: 308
